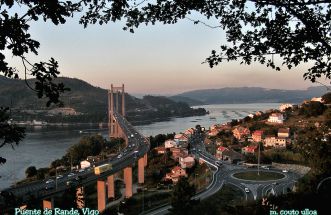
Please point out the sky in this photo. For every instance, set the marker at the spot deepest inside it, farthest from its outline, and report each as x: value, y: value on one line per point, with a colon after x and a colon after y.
x: 160, y: 59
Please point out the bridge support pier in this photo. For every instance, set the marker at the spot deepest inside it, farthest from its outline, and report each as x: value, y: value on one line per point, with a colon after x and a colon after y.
x: 48, y: 204
x: 145, y: 159
x: 101, y: 189
x: 141, y: 169
x: 128, y: 181
x: 111, y: 188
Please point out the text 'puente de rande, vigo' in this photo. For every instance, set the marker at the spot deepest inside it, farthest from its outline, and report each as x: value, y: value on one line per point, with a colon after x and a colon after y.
x: 137, y: 147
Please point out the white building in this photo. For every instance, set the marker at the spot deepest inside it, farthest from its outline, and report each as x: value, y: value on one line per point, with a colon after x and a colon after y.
x: 283, y: 107
x: 276, y: 118
x: 170, y: 144
x: 276, y: 142
x: 317, y: 99
x: 186, y: 162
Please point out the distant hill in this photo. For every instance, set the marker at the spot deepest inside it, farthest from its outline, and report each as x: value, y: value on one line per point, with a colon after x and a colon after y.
x: 89, y: 100
x: 189, y: 101
x: 239, y: 95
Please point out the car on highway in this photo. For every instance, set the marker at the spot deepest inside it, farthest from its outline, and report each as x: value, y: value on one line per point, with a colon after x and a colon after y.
x: 284, y: 170
x: 72, y: 182
x: 246, y: 190
x: 59, y: 176
x: 50, y: 186
x: 119, y: 156
x: 71, y: 174
x: 49, y: 181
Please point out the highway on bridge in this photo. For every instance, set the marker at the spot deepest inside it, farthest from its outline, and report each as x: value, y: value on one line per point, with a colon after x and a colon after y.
x: 137, y: 146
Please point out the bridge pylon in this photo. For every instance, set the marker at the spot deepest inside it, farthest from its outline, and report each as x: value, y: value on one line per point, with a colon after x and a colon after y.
x: 116, y: 103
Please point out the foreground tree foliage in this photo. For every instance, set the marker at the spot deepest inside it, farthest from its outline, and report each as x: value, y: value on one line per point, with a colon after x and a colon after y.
x: 327, y: 98
x: 9, y: 133
x: 312, y: 109
x: 297, y: 31
x: 315, y: 145
x: 181, y: 201
x: 31, y: 171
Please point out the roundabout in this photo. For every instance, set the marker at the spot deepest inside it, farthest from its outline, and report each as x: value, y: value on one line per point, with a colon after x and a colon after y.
x: 258, y: 176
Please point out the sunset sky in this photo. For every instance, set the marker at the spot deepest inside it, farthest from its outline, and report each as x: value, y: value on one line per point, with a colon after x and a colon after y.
x: 160, y: 59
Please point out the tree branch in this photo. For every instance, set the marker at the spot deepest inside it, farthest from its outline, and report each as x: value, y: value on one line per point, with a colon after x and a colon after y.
x: 205, y: 24
x: 25, y: 73
x: 280, y: 3
x: 308, y: 25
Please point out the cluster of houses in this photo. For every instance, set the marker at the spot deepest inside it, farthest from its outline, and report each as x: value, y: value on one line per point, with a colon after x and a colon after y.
x: 178, y: 149
x: 241, y: 133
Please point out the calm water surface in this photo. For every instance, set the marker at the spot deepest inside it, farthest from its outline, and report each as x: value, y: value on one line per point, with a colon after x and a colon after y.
x: 43, y: 145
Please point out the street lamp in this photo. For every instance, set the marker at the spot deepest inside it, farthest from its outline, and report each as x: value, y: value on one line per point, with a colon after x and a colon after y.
x: 56, y: 178
x: 258, y: 162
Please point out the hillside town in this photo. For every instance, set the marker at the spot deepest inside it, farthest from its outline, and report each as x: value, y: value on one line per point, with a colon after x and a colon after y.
x: 239, y: 141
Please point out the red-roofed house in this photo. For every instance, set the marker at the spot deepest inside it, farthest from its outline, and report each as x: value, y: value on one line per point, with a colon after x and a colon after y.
x: 284, y: 132
x: 219, y: 152
x: 240, y: 132
x: 257, y: 135
x: 181, y: 139
x: 175, y: 174
x: 189, y: 132
x: 250, y: 149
